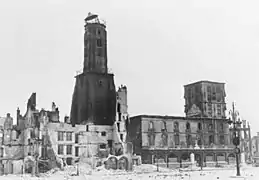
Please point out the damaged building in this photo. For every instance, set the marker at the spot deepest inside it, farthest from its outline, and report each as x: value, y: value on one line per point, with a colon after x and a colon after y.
x: 204, y: 131
x: 94, y: 97
x: 97, y: 126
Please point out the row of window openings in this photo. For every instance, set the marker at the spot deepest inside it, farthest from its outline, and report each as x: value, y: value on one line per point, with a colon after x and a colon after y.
x: 189, y: 140
x: 188, y: 127
x: 68, y: 150
x: 69, y: 135
x: 211, y: 94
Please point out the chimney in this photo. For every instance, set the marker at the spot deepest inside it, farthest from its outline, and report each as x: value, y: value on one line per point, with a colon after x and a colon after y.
x: 17, y: 115
x: 53, y: 107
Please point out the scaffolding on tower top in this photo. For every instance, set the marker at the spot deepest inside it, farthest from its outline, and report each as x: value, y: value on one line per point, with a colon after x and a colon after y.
x: 93, y: 18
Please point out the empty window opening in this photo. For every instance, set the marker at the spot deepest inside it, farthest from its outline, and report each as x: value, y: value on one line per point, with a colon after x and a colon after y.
x: 69, y: 136
x: 211, y: 139
x: 69, y: 149
x: 118, y: 127
x: 119, y: 108
x: 87, y: 128
x: 110, y: 143
x: 99, y: 52
x: 102, y: 146
x: 121, y: 137
x: 151, y: 125
x: 76, y: 138
x: 99, y: 43
x: 76, y: 151
x: 176, y: 126
x: 60, y: 149
x: 69, y: 161
x: 163, y: 125
x: 60, y: 136
x: 188, y: 126
x: 119, y: 116
x: 98, y: 32
x: 103, y: 133
x: 199, y: 126
x: 176, y: 139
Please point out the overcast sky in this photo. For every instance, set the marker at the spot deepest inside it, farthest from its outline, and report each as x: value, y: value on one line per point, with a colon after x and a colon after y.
x: 154, y: 48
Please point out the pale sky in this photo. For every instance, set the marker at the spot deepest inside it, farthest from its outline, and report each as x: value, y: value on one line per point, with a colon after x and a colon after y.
x: 154, y: 48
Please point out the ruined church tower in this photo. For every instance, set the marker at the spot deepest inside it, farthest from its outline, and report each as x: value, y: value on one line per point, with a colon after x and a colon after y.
x: 94, y: 97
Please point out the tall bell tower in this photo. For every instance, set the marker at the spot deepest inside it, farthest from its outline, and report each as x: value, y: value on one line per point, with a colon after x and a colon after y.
x: 94, y: 97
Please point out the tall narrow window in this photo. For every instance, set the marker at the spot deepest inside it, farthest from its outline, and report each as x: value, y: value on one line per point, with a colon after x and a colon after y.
x: 69, y: 149
x: 151, y: 139
x: 60, y: 136
x: 99, y: 43
x: 211, y: 139
x: 69, y: 136
x: 77, y: 151
x: 99, y: 52
x: 118, y: 127
x: 60, y: 149
x: 176, y: 126
x: 76, y: 137
x: 199, y: 126
x: 219, y: 109
x: 176, y: 139
x: 163, y: 124
x: 151, y: 125
x: 188, y: 127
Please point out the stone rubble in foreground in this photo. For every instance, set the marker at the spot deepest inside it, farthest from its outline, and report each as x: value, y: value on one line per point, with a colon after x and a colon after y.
x: 142, y: 172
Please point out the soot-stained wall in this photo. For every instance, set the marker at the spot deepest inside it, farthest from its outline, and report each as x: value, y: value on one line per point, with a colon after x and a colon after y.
x: 94, y: 99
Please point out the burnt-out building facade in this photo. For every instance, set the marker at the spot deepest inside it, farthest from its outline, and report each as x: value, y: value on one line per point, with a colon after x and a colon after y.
x: 203, y: 132
x: 170, y: 136
x: 94, y: 97
x: 205, y: 99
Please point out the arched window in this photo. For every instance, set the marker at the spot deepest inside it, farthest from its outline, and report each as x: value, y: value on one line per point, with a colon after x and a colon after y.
x: 176, y: 125
x: 188, y: 126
